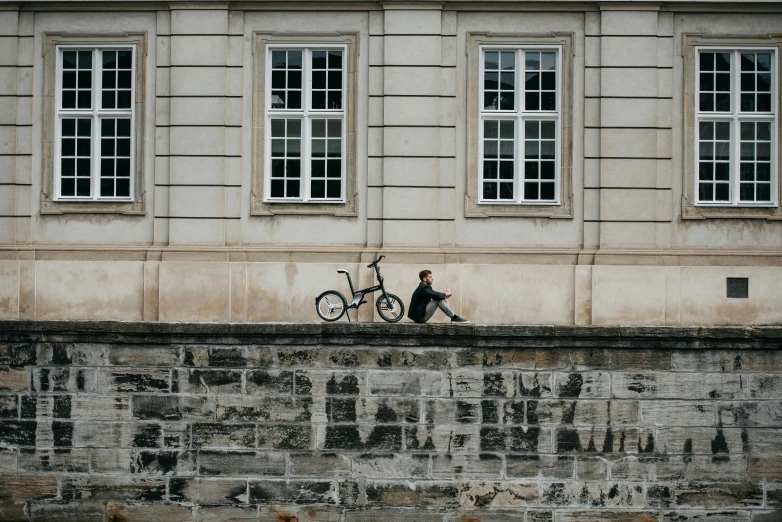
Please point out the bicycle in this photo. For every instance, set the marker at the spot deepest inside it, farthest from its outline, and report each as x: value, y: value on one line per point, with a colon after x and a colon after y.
x: 332, y: 305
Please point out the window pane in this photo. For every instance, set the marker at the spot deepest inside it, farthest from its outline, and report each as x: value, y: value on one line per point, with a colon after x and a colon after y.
x: 491, y: 60
x: 69, y: 79
x: 506, y: 190
x: 763, y: 192
x: 546, y: 191
x: 490, y: 170
x: 531, y: 191
x: 532, y: 61
x: 294, y: 59
x: 490, y: 190
x: 69, y: 59
x: 334, y: 189
x: 335, y: 60
x: 318, y: 188
x: 506, y: 129
x: 490, y: 129
x: 335, y: 128
x: 722, y: 192
x: 707, y: 61
x: 334, y: 168
x: 722, y: 61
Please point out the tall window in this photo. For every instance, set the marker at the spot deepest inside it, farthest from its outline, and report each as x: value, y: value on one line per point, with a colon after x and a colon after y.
x: 94, y: 143
x: 520, y: 125
x: 306, y: 123
x: 736, y: 127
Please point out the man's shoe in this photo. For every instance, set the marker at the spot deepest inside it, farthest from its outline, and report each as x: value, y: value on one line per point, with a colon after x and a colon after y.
x: 457, y: 319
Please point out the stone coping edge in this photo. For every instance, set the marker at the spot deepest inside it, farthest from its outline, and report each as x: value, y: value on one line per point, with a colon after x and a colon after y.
x: 406, y: 334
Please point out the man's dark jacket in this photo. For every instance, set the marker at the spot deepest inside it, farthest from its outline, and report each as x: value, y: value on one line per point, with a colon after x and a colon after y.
x: 421, y: 297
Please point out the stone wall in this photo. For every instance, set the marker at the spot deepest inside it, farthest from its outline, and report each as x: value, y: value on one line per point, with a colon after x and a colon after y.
x: 311, y: 422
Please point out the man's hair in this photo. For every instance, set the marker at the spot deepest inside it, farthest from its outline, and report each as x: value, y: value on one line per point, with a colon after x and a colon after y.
x: 424, y: 273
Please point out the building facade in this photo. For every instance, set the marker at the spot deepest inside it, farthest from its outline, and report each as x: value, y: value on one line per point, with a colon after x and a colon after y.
x: 587, y: 163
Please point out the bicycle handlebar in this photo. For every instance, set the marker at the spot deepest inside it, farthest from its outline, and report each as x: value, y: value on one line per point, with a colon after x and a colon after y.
x: 375, y: 262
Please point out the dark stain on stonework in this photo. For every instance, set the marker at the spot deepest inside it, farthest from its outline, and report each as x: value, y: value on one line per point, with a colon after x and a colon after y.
x: 80, y: 381
x: 567, y: 441
x: 384, y: 361
x: 572, y: 388
x: 341, y: 410
x: 622, y: 438
x: 532, y: 412
x: 297, y: 357
x: 342, y: 437
x: 737, y: 363
x: 385, y: 437
x: 428, y: 444
x: 348, y: 385
x: 232, y: 357
x: 492, y: 439
x: 62, y: 406
x: 569, y: 413
x: 688, y: 451
x: 490, y: 412
x: 385, y: 413
x: 23, y: 355
x: 591, y: 445
x: 608, y: 442
x: 43, y: 379
x: 744, y: 440
x: 493, y: 385
x: 60, y: 354
x: 555, y: 494
x: 345, y: 359
x: 159, y: 463
x: 613, y: 492
x: 302, y: 384
x: 496, y: 362
x: 649, y: 445
x: 530, y: 392
x: 147, y: 436
x: 29, y: 407
x: 139, y: 382
x: 411, y: 438
x: 719, y: 444
x: 62, y: 433
x: 466, y: 412
x: 521, y: 440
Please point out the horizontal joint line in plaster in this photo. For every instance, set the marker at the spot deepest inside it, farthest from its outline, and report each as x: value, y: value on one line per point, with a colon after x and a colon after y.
x: 174, y: 35
x: 196, y: 217
x: 227, y: 185
x: 200, y: 66
x: 411, y: 96
x: 16, y: 124
x: 227, y: 96
x: 15, y: 215
x: 17, y: 184
x: 625, y: 158
x: 414, y: 186
x: 628, y: 188
x: 627, y: 67
x: 16, y: 95
x: 627, y: 221
x: 628, y: 97
x: 413, y: 34
x: 411, y: 126
x: 16, y: 154
x: 410, y: 219
x: 198, y: 155
x: 410, y: 156
x: 186, y: 125
x: 607, y: 127
x: 421, y: 66
x: 628, y: 36
x: 16, y: 66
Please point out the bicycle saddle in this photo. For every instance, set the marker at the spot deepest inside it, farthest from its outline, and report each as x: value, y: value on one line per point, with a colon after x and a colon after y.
x: 342, y: 271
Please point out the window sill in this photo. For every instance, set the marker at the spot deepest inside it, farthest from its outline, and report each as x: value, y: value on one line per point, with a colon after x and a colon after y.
x: 692, y: 212
x: 273, y: 208
x: 128, y: 208
x: 475, y: 209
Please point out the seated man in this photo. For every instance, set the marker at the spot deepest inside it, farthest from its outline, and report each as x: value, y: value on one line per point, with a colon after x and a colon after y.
x: 425, y: 301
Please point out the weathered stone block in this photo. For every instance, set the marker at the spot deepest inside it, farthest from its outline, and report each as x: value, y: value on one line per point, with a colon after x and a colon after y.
x: 54, y: 460
x: 64, y: 379
x: 173, y: 407
x: 250, y: 356
x: 708, y: 495
x: 705, y: 441
x: 208, y: 491
x: 285, y: 436
x: 9, y: 406
x: 581, y: 413
x: 130, y: 380
x: 270, y: 382
x: 670, y: 385
x: 300, y: 513
x: 463, y: 438
x: 68, y: 511
x: 678, y: 413
x: 8, y: 460
x: 91, y: 407
x: 774, y: 495
x: 240, y: 463
x: 291, y: 492
x: 115, y: 435
x: 720, y: 467
x: 591, y: 468
x: 632, y: 360
x: 148, y: 513
x: 764, y: 386
x: 379, y: 437
x: 767, y: 468
x: 420, y: 494
x: 517, y: 438
x: 319, y: 464
x: 585, y: 385
x: 17, y: 433
x: 179, y: 463
x: 207, y: 381
x: 535, y: 384
x: 143, y: 355
x: 760, y: 414
x: 496, y: 494
x: 226, y: 513
x: 726, y: 361
x: 14, y: 380
x: 604, y: 440
x: 596, y: 494
x: 390, y: 466
x: 394, y: 515
x: 526, y: 359
x: 67, y: 354
x: 514, y: 412
x: 542, y: 466
x: 464, y: 383
x: 594, y: 515
x: 260, y: 408
x: 13, y: 510
x: 112, y: 489
x: 320, y: 383
x: 388, y: 410
x: 210, y: 435
x: 111, y: 460
x: 710, y: 516
x: 176, y: 435
x: 406, y: 383
x: 27, y: 487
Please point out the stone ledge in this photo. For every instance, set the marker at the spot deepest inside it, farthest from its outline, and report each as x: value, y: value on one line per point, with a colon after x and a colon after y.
x: 406, y: 334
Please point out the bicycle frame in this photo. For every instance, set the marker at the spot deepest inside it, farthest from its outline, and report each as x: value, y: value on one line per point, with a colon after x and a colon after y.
x: 358, y: 296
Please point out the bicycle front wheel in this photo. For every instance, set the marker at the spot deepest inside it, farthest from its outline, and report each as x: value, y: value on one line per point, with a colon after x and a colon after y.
x: 392, y: 310
x: 330, y: 305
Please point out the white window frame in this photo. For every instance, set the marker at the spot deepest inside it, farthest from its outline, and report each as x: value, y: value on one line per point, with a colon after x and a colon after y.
x: 735, y: 117
x: 519, y: 115
x: 95, y: 114
x: 306, y: 114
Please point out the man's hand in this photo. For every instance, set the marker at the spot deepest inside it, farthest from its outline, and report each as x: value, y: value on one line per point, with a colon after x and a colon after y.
x: 448, y: 292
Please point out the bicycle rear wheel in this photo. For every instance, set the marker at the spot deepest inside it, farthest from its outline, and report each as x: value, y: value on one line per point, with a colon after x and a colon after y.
x: 331, y: 305
x: 392, y: 310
